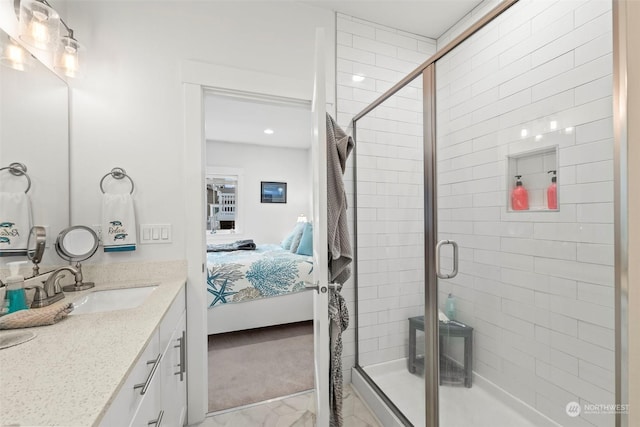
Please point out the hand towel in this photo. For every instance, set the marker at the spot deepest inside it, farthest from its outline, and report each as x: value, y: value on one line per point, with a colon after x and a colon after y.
x: 36, y: 316
x: 15, y: 223
x: 118, y: 223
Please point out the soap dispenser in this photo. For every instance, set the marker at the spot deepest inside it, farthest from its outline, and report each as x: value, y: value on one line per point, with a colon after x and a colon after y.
x: 552, y: 192
x: 519, y: 196
x: 450, y: 307
x: 15, y: 297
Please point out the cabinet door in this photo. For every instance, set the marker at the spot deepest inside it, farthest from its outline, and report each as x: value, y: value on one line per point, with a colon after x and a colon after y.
x: 174, y: 377
x: 129, y: 397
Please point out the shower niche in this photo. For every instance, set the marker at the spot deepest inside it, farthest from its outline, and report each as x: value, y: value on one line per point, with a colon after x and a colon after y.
x: 534, y: 171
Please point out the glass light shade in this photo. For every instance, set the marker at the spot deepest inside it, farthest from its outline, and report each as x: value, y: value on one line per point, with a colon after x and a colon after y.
x: 13, y: 55
x: 39, y: 24
x: 68, y: 57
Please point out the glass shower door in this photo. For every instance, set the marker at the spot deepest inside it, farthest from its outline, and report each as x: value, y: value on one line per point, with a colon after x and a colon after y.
x: 390, y: 250
x: 524, y: 149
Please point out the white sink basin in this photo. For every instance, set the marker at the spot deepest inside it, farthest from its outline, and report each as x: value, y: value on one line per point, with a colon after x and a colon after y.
x: 112, y: 299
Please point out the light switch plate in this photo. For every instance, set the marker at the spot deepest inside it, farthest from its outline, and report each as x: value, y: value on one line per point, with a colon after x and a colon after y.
x: 155, y: 233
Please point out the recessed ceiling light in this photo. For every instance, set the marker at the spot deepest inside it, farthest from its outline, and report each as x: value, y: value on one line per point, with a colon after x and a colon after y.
x: 357, y: 78
x: 269, y: 131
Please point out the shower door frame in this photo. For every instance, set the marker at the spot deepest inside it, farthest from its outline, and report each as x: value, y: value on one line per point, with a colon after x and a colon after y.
x: 427, y: 70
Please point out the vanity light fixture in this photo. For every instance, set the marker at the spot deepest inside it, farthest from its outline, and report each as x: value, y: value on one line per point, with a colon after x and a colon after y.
x: 13, y: 55
x: 269, y: 131
x: 39, y: 24
x: 67, y: 55
x: 40, y: 27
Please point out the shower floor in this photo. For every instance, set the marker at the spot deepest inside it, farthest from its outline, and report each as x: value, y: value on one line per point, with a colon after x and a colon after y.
x: 459, y: 406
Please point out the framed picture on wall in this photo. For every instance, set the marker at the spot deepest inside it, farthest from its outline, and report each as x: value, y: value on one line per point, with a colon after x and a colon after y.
x: 273, y: 192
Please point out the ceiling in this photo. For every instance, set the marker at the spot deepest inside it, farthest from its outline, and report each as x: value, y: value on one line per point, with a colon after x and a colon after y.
x: 241, y: 120
x: 234, y: 119
x: 429, y: 18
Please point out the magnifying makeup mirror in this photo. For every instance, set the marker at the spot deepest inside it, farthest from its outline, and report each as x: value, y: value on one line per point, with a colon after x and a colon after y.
x: 35, y: 246
x: 75, y: 244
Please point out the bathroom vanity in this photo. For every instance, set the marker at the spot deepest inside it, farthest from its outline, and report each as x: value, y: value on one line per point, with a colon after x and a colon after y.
x: 91, y: 369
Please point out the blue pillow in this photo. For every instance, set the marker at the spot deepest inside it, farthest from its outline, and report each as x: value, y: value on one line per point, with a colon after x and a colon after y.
x: 306, y: 242
x: 286, y: 243
x: 297, y: 237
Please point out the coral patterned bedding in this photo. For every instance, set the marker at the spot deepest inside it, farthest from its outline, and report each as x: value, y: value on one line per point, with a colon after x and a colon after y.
x: 246, y: 275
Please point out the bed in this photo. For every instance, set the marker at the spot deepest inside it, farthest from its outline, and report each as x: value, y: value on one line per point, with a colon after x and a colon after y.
x: 255, y: 288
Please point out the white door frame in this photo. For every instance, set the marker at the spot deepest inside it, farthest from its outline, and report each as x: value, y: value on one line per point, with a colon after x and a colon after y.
x: 197, y: 77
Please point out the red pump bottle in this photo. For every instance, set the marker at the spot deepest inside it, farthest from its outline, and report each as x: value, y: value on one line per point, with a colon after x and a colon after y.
x: 552, y: 192
x: 519, y: 196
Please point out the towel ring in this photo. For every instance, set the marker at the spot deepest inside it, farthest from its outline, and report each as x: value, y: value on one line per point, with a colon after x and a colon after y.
x: 19, y: 169
x: 117, y: 173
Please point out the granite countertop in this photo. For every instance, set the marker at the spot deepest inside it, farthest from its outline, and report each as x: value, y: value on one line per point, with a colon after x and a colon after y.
x: 71, y: 371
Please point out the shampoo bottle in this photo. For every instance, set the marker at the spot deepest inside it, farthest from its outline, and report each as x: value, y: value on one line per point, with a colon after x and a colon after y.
x: 519, y: 196
x: 450, y: 307
x: 15, y: 296
x: 552, y: 192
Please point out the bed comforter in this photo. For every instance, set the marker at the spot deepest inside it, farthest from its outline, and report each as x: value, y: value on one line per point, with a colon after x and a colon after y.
x: 246, y: 275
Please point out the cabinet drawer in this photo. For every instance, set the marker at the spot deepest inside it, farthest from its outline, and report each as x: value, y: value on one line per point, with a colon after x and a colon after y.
x: 171, y: 318
x: 128, y: 400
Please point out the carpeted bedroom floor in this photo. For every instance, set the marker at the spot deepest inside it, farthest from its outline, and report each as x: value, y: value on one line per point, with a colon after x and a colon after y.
x: 259, y: 364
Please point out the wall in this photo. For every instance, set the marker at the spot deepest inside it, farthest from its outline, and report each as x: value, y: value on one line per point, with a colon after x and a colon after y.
x: 128, y: 110
x: 266, y: 222
x: 468, y: 20
x: 536, y: 287
x: 389, y: 182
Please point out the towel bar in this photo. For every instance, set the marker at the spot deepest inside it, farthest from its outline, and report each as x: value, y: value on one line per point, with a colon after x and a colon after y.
x: 19, y: 169
x: 117, y: 173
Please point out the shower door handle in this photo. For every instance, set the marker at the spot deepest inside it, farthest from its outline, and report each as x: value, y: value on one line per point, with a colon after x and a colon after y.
x: 453, y: 272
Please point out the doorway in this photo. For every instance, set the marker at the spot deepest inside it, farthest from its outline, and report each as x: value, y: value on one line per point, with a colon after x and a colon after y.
x: 260, y: 330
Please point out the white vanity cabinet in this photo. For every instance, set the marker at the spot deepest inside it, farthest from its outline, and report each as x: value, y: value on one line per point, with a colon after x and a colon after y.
x: 155, y: 392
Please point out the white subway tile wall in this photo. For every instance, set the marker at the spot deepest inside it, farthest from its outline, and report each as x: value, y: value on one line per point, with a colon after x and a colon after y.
x: 536, y: 286
x: 390, y: 174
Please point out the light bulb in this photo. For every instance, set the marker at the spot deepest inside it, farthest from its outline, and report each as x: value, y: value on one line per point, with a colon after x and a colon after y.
x: 39, y: 32
x: 15, y: 54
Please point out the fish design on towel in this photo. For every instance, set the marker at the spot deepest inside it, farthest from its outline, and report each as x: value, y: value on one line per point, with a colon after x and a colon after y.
x: 118, y: 223
x: 15, y: 223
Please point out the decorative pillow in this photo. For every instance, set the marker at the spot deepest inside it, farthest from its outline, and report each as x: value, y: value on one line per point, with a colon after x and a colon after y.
x: 306, y: 242
x: 297, y: 236
x: 286, y: 243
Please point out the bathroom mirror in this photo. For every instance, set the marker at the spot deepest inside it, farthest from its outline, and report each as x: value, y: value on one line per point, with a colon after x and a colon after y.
x: 77, y: 243
x: 34, y: 130
x: 35, y: 246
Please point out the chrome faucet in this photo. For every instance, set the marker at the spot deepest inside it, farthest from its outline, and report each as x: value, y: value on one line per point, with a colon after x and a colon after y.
x: 51, y: 285
x: 52, y: 291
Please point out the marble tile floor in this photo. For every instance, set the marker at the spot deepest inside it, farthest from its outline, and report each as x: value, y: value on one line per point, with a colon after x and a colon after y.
x: 293, y: 411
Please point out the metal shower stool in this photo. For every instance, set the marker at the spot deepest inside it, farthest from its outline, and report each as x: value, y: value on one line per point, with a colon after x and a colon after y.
x: 445, y: 330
